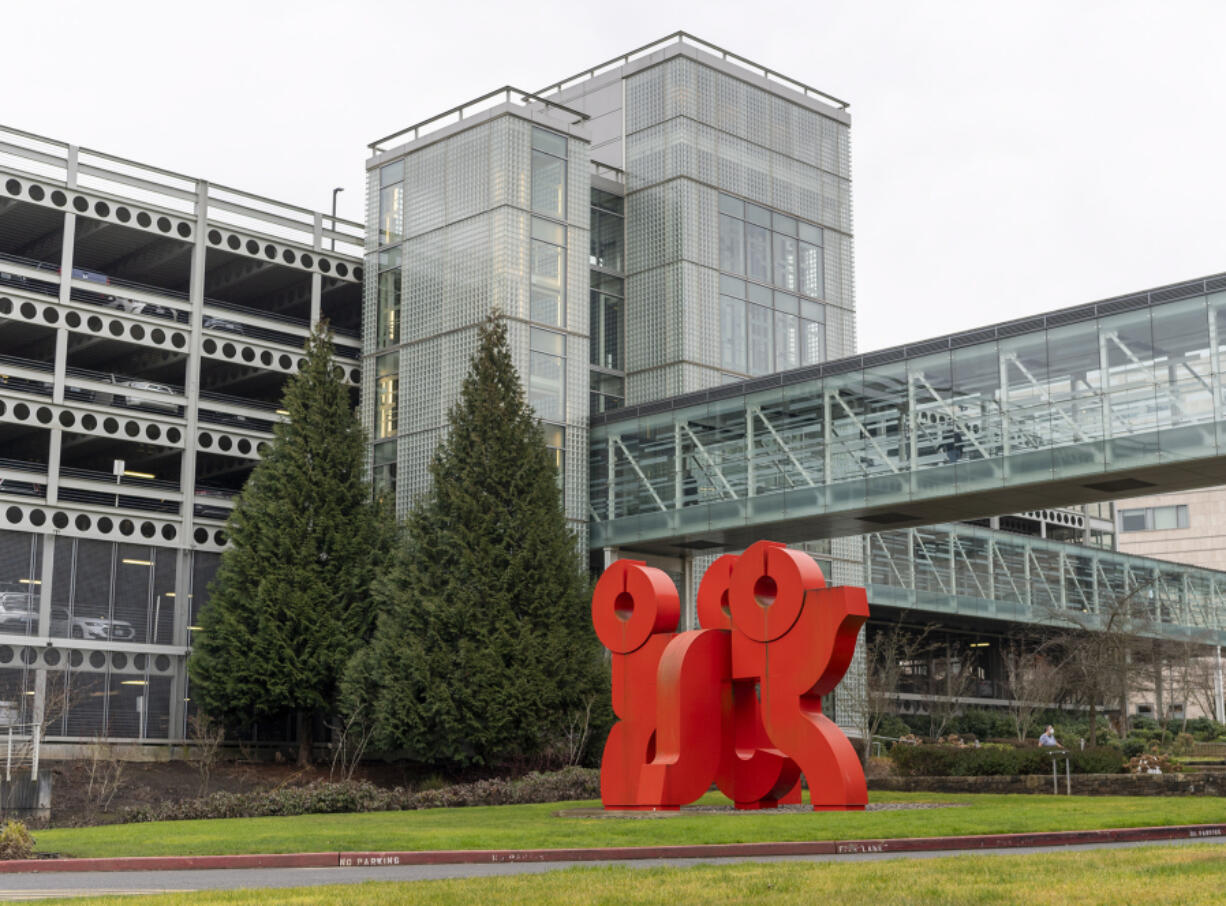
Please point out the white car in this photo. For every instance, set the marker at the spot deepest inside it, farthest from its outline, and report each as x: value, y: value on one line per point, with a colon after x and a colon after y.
x: 79, y: 626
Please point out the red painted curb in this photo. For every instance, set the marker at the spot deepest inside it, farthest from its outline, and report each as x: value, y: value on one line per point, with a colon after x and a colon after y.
x: 609, y: 853
x: 596, y: 854
x: 174, y: 863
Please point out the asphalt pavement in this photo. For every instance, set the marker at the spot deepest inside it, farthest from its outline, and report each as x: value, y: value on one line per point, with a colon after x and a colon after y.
x: 80, y: 884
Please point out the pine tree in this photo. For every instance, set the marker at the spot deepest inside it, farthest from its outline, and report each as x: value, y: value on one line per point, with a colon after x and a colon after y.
x: 291, y: 600
x: 484, y: 652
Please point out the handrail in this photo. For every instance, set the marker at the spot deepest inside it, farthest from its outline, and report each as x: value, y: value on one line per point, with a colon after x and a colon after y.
x: 608, y: 171
x: 23, y: 465
x: 111, y: 168
x: 506, y: 91
x: 683, y: 37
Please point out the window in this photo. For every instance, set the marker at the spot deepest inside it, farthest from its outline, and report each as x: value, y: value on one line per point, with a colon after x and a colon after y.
x: 383, y: 471
x: 555, y: 442
x: 549, y: 173
x: 1154, y: 518
x: 774, y: 262
x: 391, y: 203
x: 387, y: 330
x: 760, y: 346
x: 732, y: 333
x: 607, y: 323
x: 606, y: 242
x: 387, y: 392
x: 548, y: 272
x: 547, y: 375
x: 608, y: 391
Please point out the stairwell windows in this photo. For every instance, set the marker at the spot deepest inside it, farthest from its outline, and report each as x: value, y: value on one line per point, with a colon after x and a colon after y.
x: 549, y: 173
x: 607, y: 323
x: 387, y: 393
x: 547, y: 374
x: 548, y: 272
x: 391, y: 203
x: 387, y: 329
x: 383, y: 470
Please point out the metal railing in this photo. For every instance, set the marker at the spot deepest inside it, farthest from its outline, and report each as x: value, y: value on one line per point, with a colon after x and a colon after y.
x: 683, y: 37
x: 107, y: 174
x: 505, y: 95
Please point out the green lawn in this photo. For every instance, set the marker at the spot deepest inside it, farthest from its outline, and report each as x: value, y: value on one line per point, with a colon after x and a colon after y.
x: 534, y: 826
x: 1153, y: 874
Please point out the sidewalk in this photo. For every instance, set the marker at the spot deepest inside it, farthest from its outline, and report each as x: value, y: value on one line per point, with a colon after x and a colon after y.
x: 608, y: 853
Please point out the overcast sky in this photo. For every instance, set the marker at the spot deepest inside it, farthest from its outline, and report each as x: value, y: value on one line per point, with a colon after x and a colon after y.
x: 1007, y: 158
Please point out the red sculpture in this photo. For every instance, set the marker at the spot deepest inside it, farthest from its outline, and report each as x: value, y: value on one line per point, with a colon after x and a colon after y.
x: 738, y: 702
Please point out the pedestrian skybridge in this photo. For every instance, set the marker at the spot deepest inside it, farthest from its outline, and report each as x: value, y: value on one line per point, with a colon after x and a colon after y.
x: 1097, y: 402
x: 988, y: 577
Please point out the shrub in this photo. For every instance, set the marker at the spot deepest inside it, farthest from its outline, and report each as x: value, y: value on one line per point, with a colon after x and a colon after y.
x: 893, y: 726
x: 1153, y: 764
x: 1099, y: 760
x: 1204, y: 729
x: 923, y: 761
x: 1132, y: 746
x: 983, y: 724
x: 1000, y: 760
x: 362, y: 796
x: 15, y: 841
x: 1183, y: 744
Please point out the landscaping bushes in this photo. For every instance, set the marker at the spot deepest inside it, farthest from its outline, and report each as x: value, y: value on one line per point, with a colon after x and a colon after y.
x: 15, y: 841
x: 361, y: 796
x: 996, y: 760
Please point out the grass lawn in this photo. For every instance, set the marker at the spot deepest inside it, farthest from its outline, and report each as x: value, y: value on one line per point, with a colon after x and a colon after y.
x: 534, y: 826
x: 1158, y: 874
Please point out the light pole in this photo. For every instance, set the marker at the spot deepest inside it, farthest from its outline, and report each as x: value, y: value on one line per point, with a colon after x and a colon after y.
x: 335, y: 192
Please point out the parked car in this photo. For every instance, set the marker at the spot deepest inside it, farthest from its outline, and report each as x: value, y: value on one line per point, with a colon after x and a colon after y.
x: 17, y: 613
x: 139, y: 403
x: 137, y: 307
x: 80, y: 626
x: 10, y: 713
x: 215, y: 323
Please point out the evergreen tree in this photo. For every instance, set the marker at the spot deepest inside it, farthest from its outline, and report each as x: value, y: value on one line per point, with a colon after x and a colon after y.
x: 484, y: 652
x: 291, y: 600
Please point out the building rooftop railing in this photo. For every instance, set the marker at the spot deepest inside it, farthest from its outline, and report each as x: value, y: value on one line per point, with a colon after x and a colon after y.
x: 507, y: 94
x: 608, y: 171
x: 682, y: 37
x: 100, y: 171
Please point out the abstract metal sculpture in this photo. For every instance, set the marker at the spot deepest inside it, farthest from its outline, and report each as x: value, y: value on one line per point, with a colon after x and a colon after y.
x: 738, y: 702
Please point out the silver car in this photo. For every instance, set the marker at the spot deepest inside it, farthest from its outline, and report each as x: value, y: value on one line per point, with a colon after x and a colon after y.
x: 81, y: 626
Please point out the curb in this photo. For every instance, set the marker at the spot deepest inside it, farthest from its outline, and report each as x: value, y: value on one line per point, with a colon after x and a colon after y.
x: 623, y: 853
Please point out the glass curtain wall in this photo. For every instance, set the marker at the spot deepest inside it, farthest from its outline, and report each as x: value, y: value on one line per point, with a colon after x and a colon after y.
x: 771, y: 287
x: 547, y: 352
x: 608, y: 318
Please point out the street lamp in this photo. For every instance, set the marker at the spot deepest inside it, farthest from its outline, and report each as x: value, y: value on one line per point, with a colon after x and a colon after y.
x: 335, y: 192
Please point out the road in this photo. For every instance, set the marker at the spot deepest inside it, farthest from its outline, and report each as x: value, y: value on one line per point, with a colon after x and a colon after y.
x: 103, y: 883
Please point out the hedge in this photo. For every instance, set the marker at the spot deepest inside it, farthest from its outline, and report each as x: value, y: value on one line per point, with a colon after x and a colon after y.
x: 361, y: 796
x: 994, y: 760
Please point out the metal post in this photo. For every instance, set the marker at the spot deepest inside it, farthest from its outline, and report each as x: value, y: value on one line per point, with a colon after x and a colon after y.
x: 1217, y: 683
x: 1055, y: 778
x: 335, y: 192
x: 8, y: 758
x: 1068, y: 776
x: 40, y: 707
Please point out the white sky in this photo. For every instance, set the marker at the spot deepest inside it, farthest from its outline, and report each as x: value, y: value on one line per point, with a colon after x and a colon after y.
x: 1007, y: 158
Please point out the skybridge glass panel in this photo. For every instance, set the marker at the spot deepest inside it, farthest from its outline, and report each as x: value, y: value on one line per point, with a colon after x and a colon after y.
x: 958, y: 568
x: 1074, y: 406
